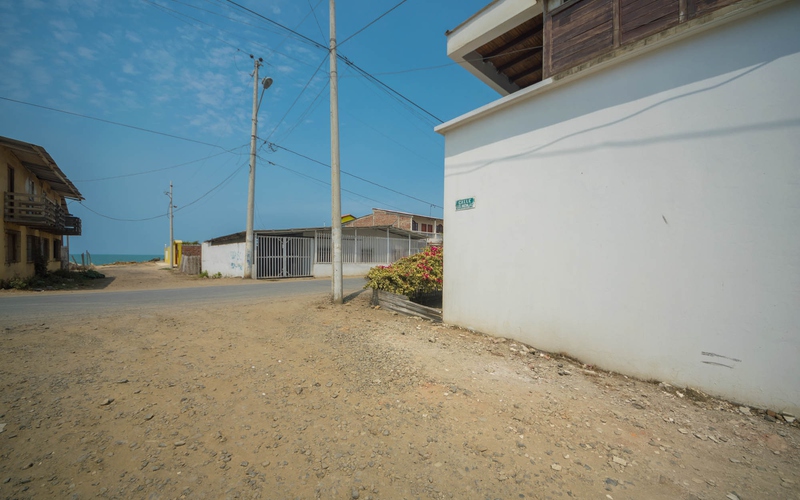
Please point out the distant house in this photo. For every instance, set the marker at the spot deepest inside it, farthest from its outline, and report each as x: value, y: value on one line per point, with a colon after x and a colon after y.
x: 35, y: 214
x: 642, y: 171
x: 431, y: 227
x: 294, y: 253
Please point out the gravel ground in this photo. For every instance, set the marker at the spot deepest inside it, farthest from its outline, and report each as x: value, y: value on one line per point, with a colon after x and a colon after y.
x: 301, y: 399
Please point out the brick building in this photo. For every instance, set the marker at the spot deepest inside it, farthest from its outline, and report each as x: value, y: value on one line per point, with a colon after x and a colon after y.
x: 430, y: 226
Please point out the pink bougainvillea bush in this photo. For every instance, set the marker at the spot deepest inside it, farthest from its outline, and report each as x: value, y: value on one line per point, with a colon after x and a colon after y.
x: 410, y: 276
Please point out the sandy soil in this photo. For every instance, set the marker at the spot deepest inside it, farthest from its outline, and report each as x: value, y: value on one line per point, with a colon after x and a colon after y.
x: 300, y: 399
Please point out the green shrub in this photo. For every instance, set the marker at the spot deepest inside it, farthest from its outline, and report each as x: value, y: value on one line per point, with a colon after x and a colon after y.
x: 92, y: 274
x: 410, y: 276
x: 19, y: 283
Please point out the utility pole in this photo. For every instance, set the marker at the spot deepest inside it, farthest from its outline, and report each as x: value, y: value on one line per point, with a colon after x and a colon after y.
x: 251, y: 190
x: 171, y: 234
x: 336, y: 187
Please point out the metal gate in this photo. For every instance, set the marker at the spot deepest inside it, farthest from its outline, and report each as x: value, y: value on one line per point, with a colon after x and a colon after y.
x: 284, y: 257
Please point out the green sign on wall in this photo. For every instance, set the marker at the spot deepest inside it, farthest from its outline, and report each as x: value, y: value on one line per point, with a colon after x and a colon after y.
x: 465, y: 204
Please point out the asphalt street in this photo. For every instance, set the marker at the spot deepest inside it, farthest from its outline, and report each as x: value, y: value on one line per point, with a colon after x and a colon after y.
x: 47, y: 305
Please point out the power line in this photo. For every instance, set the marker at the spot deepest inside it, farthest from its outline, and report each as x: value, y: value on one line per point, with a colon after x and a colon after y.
x: 298, y: 97
x: 161, y: 169
x: 276, y: 23
x: 273, y: 145
x: 176, y: 210
x: 343, y: 58
x: 327, y: 183
x: 103, y: 120
x: 178, y: 13
x: 316, y: 20
x: 120, y: 220
x: 371, y: 23
x: 378, y: 82
x: 306, y: 112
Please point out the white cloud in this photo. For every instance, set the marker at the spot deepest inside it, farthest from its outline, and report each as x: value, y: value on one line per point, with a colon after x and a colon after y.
x: 130, y: 99
x: 133, y: 37
x: 162, y: 62
x: 65, y: 30
x: 40, y: 76
x: 33, y: 4
x: 86, y: 53
x: 105, y: 39
x: 221, y: 56
x: 23, y: 57
x: 284, y: 69
x: 128, y: 69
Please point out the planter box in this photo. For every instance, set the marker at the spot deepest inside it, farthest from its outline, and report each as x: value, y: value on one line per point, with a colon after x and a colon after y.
x: 401, y: 304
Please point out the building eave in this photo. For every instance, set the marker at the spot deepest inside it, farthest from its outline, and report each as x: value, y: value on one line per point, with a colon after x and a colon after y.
x: 39, y: 162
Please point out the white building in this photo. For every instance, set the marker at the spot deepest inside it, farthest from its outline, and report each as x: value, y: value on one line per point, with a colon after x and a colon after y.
x: 307, y: 252
x: 637, y: 189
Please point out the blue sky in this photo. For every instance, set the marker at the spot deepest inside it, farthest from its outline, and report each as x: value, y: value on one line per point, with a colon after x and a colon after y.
x: 182, y: 67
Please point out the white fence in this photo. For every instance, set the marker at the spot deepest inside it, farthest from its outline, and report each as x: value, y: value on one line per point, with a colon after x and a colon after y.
x: 367, y: 249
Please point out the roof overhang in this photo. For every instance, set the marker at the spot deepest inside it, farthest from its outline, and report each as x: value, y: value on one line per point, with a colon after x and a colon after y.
x: 491, y: 23
x: 39, y: 162
x: 304, y: 231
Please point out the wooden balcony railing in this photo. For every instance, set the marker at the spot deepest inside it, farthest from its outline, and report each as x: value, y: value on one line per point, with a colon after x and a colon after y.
x: 72, y: 226
x: 37, y: 212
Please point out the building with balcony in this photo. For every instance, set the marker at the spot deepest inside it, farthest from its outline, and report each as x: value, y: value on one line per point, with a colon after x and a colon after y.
x: 431, y: 227
x: 35, y: 215
x: 639, y: 173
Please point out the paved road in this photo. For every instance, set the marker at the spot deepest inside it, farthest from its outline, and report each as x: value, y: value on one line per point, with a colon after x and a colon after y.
x: 14, y: 309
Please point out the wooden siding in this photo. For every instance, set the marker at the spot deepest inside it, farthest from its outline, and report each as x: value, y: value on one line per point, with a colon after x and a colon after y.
x: 401, y: 304
x: 700, y: 7
x: 518, y: 52
x: 580, y: 31
x: 640, y: 18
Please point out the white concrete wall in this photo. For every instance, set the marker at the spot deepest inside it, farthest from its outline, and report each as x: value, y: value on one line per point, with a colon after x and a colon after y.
x: 645, y: 216
x: 326, y: 270
x: 226, y: 259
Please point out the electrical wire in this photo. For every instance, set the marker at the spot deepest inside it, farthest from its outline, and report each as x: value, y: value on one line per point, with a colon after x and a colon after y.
x: 119, y: 124
x: 167, y: 10
x: 120, y: 220
x: 278, y: 146
x: 311, y: 106
x: 297, y: 34
x: 298, y: 97
x: 174, y: 211
x: 343, y: 58
x: 163, y: 168
x: 339, y: 44
x: 314, y: 13
x: 327, y: 183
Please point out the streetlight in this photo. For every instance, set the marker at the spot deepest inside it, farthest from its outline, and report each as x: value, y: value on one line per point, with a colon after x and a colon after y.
x: 265, y: 83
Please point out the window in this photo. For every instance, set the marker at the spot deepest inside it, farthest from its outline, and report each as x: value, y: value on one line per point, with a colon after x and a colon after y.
x: 427, y: 228
x: 12, y: 247
x: 45, y: 248
x: 31, y: 247
x: 440, y: 229
x: 56, y: 249
x: 414, y: 225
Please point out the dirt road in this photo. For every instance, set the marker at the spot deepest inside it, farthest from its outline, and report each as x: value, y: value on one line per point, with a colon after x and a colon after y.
x: 299, y: 399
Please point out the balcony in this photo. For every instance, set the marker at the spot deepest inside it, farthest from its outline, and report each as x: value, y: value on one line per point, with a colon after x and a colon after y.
x: 37, y: 212
x: 72, y: 226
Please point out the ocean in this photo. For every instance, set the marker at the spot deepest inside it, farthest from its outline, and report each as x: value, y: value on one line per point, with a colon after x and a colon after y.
x: 99, y: 259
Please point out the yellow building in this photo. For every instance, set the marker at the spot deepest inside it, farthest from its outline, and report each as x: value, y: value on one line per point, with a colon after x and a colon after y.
x: 35, y: 215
